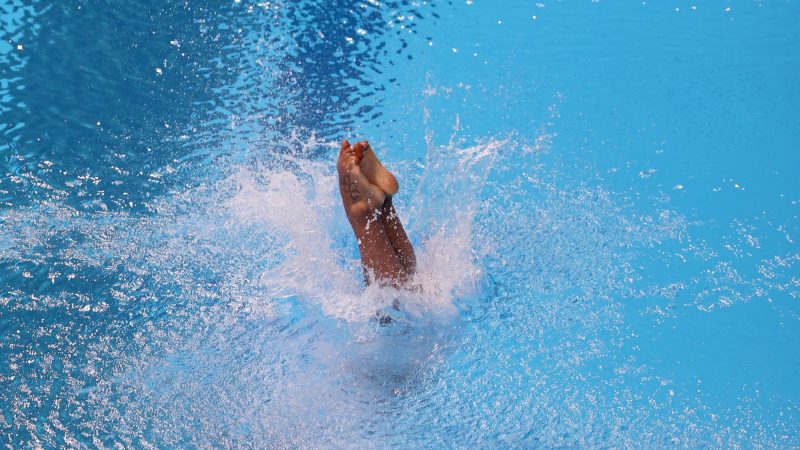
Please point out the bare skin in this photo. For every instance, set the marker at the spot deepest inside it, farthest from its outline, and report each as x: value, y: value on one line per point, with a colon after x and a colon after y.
x: 374, y: 170
x: 386, y: 253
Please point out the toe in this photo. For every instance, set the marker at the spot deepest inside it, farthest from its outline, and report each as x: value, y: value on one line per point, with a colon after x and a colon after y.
x: 359, y: 149
x: 350, y: 156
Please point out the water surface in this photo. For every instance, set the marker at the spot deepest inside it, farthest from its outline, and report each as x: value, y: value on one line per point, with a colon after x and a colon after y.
x: 602, y: 196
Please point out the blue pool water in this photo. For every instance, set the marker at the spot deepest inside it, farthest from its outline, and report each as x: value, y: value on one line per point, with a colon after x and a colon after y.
x: 603, y: 196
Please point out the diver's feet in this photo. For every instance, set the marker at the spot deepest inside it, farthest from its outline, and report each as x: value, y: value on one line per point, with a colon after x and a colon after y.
x: 374, y: 170
x: 359, y: 196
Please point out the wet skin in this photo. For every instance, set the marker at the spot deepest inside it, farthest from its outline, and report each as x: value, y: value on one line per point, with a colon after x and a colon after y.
x: 387, y: 255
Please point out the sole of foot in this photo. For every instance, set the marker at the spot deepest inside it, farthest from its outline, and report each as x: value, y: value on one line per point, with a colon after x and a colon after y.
x: 375, y: 172
x: 359, y: 195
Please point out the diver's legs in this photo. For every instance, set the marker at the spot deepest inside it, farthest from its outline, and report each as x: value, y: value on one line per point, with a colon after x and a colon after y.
x: 378, y: 175
x: 363, y: 203
x: 398, y: 238
x: 378, y: 258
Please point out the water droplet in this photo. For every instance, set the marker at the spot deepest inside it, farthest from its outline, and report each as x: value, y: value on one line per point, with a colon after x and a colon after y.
x: 647, y: 173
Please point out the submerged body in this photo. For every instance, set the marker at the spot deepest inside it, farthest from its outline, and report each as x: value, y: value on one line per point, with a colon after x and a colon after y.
x: 387, y: 255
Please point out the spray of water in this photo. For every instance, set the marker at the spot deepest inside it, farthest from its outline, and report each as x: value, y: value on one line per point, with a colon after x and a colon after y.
x: 246, y: 321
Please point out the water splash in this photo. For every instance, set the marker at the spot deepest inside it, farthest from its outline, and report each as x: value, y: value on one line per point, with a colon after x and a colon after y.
x: 245, y: 319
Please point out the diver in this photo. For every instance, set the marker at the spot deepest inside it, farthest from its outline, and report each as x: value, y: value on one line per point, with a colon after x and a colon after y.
x: 387, y: 256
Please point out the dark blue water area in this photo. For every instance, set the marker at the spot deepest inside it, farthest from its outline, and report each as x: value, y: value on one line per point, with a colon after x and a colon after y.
x: 117, y: 92
x: 602, y: 196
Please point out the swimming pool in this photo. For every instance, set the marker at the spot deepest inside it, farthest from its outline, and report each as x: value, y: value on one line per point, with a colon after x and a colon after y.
x: 603, y: 196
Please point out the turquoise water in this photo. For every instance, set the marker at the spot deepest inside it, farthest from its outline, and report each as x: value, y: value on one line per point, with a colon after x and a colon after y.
x: 603, y: 197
